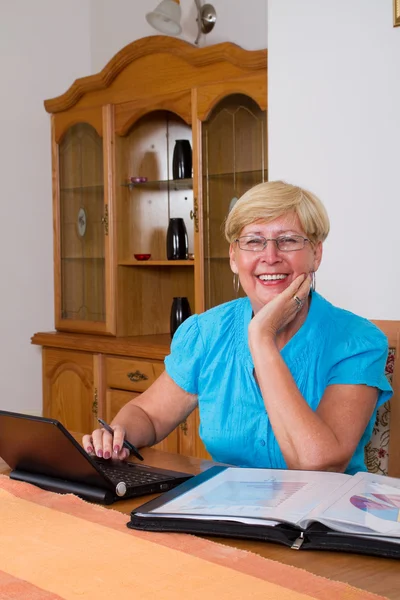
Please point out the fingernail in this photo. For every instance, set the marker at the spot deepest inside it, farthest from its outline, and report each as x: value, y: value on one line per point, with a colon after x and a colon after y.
x: 116, y: 449
x: 89, y: 449
x: 100, y: 453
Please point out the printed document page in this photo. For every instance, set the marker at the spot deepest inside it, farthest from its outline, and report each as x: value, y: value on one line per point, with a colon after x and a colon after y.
x: 367, y: 504
x: 264, y: 496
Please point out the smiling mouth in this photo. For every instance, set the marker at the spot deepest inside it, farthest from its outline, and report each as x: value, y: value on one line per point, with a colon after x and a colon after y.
x: 275, y: 277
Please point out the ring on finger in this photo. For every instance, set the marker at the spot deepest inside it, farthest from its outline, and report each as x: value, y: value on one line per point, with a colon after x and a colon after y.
x: 299, y: 302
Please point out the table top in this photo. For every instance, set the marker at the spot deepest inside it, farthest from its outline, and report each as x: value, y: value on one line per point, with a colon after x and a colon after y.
x: 377, y: 575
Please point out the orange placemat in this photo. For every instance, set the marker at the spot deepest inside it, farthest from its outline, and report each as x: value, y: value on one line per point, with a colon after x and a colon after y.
x: 54, y: 546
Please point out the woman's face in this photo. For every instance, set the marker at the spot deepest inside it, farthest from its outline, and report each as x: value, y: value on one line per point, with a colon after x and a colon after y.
x: 263, y: 275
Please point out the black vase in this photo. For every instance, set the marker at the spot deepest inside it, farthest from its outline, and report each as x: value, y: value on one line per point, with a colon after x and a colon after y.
x: 182, y: 160
x: 180, y: 310
x: 177, y: 240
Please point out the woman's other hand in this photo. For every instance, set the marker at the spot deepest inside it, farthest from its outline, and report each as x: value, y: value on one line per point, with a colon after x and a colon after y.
x: 103, y: 444
x: 282, y: 310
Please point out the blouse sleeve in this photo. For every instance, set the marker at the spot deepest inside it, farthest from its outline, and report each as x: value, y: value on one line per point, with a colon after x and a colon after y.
x: 362, y: 360
x: 184, y: 362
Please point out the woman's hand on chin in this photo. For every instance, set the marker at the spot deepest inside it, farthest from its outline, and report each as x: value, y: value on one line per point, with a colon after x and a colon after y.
x: 283, y: 309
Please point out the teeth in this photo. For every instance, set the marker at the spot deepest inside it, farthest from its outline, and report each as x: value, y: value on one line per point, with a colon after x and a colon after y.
x: 271, y: 277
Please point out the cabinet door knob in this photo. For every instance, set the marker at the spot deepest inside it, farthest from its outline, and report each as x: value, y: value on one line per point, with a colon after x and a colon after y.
x: 136, y: 376
x: 184, y: 427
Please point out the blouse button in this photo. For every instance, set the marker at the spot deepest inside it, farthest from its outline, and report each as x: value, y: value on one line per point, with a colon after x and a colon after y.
x: 262, y: 442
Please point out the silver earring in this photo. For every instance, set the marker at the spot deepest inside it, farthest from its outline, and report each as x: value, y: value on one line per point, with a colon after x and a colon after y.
x: 236, y: 283
x: 313, y: 282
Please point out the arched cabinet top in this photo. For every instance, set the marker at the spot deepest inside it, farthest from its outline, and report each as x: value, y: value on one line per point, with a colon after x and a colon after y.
x: 152, y: 63
x: 128, y: 113
x: 208, y: 97
x: 64, y: 122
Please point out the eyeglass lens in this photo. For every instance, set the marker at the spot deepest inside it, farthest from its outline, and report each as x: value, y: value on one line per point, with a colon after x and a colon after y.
x: 283, y: 243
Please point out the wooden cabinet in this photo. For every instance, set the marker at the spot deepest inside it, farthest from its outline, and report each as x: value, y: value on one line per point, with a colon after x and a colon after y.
x: 114, y: 191
x: 68, y: 388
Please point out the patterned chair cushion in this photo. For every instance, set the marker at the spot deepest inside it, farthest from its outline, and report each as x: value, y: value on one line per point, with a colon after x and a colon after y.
x: 377, y: 449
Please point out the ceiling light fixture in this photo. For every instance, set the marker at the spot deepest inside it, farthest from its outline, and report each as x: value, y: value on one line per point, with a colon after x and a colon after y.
x: 167, y: 18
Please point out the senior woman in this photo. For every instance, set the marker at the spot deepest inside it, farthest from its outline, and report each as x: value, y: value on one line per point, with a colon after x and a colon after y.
x: 282, y: 378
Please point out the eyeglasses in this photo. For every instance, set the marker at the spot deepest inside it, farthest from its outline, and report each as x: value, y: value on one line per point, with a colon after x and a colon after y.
x: 285, y: 243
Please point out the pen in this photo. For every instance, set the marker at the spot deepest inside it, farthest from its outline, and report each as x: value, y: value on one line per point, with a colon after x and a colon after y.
x: 127, y: 444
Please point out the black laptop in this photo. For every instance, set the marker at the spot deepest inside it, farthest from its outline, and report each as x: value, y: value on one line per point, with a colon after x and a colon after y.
x: 41, y: 451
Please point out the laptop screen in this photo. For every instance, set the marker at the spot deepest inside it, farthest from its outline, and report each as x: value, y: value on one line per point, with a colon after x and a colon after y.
x: 44, y: 446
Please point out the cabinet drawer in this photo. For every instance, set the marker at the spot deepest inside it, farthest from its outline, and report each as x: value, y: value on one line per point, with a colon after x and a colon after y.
x: 131, y: 374
x: 115, y: 400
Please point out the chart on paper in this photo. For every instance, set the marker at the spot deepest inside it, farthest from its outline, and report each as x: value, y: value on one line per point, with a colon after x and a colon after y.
x: 257, y: 495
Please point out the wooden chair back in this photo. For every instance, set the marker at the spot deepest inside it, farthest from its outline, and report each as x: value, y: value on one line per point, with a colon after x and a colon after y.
x: 383, y: 451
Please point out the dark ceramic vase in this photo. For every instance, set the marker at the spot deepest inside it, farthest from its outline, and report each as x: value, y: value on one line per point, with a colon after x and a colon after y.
x: 177, y: 240
x: 182, y: 160
x: 180, y: 311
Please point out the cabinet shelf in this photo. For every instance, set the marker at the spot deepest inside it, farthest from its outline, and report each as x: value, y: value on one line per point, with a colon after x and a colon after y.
x: 83, y: 258
x: 83, y: 188
x: 216, y: 257
x: 162, y: 184
x: 258, y: 173
x: 156, y: 263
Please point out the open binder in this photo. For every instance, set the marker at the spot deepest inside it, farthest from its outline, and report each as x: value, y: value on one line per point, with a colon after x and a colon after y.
x: 305, y: 510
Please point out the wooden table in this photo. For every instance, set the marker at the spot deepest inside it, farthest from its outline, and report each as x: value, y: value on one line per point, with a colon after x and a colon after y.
x: 378, y: 575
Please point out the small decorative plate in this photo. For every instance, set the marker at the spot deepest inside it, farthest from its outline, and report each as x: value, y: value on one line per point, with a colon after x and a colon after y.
x: 81, y: 222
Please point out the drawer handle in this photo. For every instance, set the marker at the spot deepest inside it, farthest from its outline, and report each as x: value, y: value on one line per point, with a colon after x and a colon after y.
x: 137, y: 376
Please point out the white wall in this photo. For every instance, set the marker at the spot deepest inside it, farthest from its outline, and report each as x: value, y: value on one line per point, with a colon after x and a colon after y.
x: 334, y: 127
x: 116, y: 23
x: 44, y: 46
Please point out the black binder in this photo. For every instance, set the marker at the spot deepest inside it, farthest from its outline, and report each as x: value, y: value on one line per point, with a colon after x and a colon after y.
x: 316, y: 536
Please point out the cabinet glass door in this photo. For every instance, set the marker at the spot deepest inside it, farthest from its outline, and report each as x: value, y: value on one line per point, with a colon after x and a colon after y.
x: 82, y: 239
x: 234, y: 158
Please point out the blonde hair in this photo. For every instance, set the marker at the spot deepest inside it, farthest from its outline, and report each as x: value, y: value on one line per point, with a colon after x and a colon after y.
x: 272, y: 199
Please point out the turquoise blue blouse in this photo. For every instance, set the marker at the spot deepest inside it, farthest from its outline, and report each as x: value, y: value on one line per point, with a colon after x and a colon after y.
x: 210, y: 357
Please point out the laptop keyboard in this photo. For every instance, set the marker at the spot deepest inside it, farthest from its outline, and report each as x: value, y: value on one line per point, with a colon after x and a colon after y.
x: 131, y: 477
